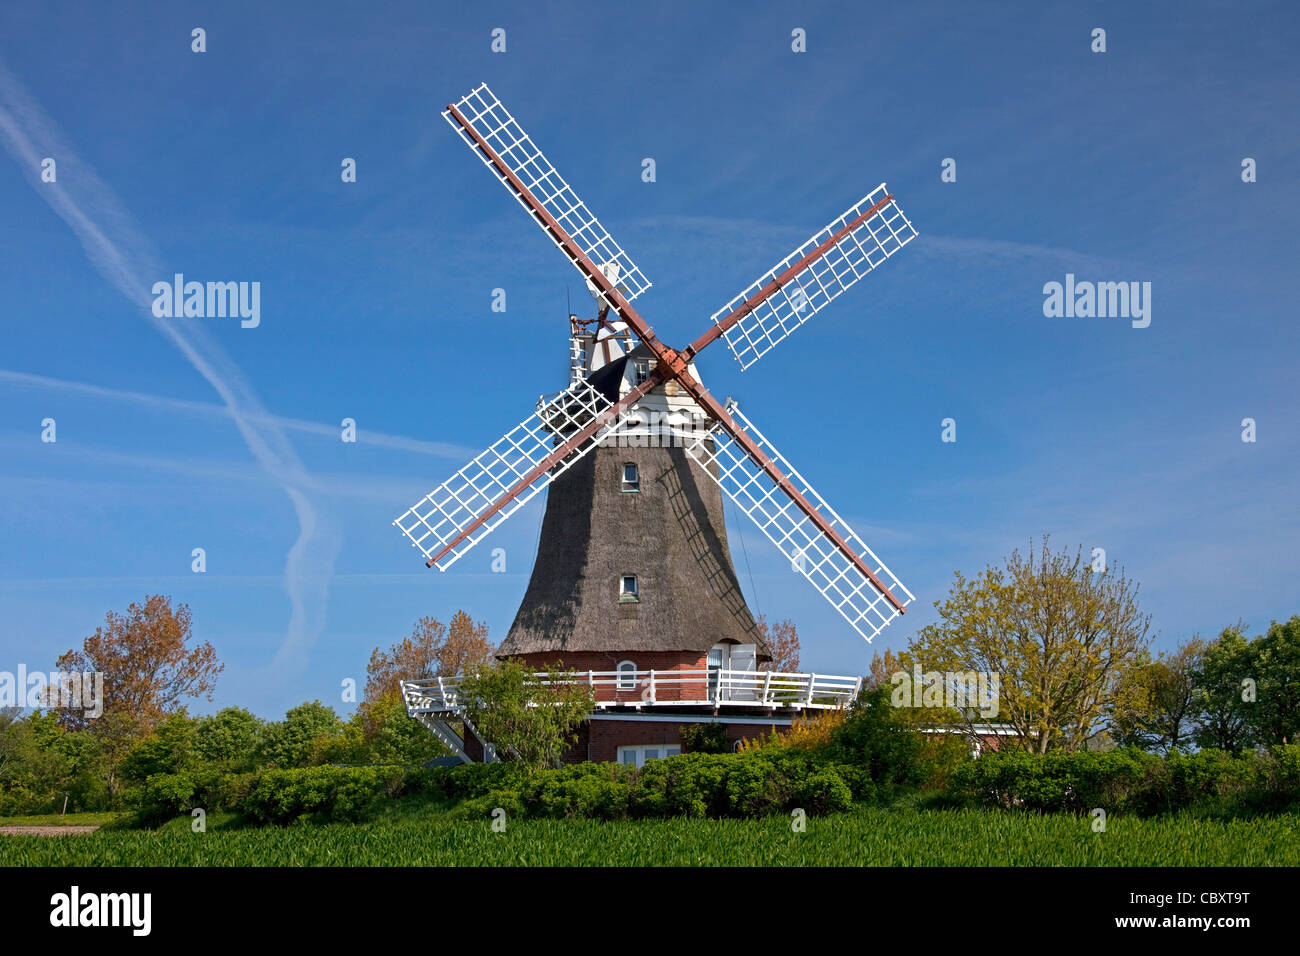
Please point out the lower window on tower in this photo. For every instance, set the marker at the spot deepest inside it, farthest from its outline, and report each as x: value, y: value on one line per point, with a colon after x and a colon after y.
x: 638, y: 754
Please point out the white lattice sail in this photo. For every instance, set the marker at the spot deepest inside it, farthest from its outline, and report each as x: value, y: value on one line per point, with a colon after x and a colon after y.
x: 811, y: 552
x: 492, y: 121
x: 860, y: 250
x: 443, y: 514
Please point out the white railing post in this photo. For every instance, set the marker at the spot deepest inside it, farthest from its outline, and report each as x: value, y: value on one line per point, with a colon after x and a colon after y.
x: 812, y: 683
x: 767, y: 685
x: 653, y: 697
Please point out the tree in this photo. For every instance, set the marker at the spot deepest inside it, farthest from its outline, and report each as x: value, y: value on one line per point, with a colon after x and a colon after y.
x: 392, y: 737
x: 1277, y: 709
x: 298, y: 740
x: 531, y: 720
x: 148, y: 662
x: 1056, y: 634
x: 882, y: 669
x: 1155, y: 707
x: 171, y: 748
x: 782, y: 641
x: 878, y: 737
x: 33, y: 765
x: 1226, y: 715
x: 433, y: 648
x: 230, y: 738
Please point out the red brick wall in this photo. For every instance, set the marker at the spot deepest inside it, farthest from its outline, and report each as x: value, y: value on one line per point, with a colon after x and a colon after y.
x: 606, y: 736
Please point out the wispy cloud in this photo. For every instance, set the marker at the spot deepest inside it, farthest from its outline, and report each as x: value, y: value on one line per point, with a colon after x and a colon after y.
x: 365, y: 436
x: 125, y: 257
x: 381, y: 489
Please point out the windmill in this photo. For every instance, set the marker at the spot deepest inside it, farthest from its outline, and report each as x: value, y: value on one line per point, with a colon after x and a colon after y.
x: 619, y: 371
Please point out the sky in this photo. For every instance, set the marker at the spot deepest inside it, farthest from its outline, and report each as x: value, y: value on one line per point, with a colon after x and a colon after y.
x: 173, y: 434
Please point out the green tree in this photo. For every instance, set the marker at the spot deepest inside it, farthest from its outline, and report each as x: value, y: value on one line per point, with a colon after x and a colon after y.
x: 230, y: 738
x: 531, y: 720
x: 1156, y: 705
x: 33, y: 764
x: 394, y: 738
x: 170, y: 748
x: 1277, y: 709
x: 881, y: 738
x: 299, y: 739
x: 1226, y: 718
x: 1057, y: 634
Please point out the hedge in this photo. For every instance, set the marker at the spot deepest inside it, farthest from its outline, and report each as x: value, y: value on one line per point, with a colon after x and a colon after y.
x: 1129, y: 780
x: 765, y: 781
x: 323, y: 794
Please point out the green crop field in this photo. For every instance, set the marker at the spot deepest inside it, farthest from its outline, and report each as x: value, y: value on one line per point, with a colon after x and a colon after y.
x: 871, y: 837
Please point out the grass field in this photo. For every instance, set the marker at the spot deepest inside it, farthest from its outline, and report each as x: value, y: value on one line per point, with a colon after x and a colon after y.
x: 867, y: 837
x: 59, y: 819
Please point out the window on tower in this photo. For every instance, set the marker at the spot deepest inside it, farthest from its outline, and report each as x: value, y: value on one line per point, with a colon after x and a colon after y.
x: 640, y: 371
x: 627, y: 590
x: 631, y: 477
x: 627, y: 675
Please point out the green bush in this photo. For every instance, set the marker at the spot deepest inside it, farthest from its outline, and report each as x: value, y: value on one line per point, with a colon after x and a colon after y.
x: 477, y: 779
x: 875, y: 736
x: 1128, y: 780
x: 691, y: 785
x: 708, y: 738
x: 484, y: 806
x: 754, y: 786
x: 822, y: 792
x: 587, y: 796
x: 163, y: 796
x: 337, y: 794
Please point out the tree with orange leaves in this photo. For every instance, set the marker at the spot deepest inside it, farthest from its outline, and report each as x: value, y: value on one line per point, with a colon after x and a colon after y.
x: 433, y: 648
x: 782, y: 640
x: 148, y: 662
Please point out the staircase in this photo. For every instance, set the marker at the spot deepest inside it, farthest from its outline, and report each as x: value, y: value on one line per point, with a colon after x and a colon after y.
x: 434, y: 706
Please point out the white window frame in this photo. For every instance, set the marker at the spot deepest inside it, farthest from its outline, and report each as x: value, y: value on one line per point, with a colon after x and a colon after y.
x: 635, y: 483
x: 640, y: 370
x: 628, y: 683
x: 631, y: 596
x: 637, y: 751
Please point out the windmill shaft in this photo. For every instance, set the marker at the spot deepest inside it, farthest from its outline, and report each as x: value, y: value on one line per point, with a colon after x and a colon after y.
x: 749, y: 305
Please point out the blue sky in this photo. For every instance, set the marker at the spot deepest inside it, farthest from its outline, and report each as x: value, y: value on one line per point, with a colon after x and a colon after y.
x: 375, y: 298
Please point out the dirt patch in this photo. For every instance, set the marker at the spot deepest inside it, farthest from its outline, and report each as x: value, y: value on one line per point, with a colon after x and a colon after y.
x: 45, y: 831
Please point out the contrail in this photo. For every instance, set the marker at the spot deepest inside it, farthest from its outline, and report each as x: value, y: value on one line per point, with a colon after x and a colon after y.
x: 124, y: 256
x: 365, y: 436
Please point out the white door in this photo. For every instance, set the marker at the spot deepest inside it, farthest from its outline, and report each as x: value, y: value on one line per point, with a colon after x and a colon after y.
x: 744, y: 660
x: 718, y: 655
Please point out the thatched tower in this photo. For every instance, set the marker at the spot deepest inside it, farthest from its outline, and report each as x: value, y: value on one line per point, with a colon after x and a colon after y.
x: 648, y: 514
x: 667, y: 532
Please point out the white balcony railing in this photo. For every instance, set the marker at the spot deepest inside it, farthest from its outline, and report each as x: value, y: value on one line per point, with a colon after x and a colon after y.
x: 700, y: 687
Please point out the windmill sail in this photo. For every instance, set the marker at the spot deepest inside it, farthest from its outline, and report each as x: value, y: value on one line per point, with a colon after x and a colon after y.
x: 862, y: 601
x: 808, y: 279
x: 469, y: 505
x: 481, y: 119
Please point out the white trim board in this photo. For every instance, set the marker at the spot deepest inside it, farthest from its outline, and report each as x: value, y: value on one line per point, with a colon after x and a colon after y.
x: 695, y: 719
